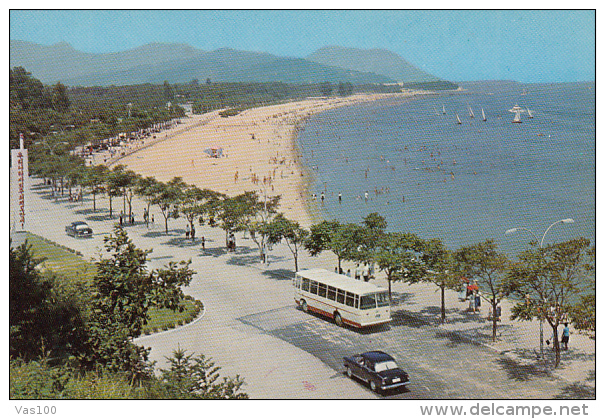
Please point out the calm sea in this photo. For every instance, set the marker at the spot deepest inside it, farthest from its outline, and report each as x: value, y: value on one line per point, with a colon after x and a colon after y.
x: 462, y: 183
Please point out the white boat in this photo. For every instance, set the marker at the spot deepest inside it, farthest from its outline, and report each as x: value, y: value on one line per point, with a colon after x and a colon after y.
x: 458, y: 121
x: 483, y: 114
x: 517, y: 111
x: 529, y: 114
x: 443, y: 110
x: 470, y: 112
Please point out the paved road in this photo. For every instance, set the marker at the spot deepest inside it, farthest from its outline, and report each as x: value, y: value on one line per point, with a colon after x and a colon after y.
x: 252, y: 328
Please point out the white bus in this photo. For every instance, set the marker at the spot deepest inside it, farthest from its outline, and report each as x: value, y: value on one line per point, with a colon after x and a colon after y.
x: 344, y: 299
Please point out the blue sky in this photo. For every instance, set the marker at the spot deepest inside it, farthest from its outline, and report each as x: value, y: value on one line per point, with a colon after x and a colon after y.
x: 526, y: 46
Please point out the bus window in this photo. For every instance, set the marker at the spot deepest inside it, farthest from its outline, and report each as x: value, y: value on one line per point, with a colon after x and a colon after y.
x: 382, y: 299
x: 350, y: 300
x: 331, y: 293
x: 305, y: 284
x: 313, y: 288
x: 367, y: 302
x: 356, y: 301
x: 340, y: 296
x: 322, y: 290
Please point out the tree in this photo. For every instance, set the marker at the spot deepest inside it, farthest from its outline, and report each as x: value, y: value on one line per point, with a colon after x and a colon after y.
x: 345, y: 89
x: 326, y: 88
x: 197, y: 377
x: 583, y: 313
x: 147, y: 188
x: 341, y: 239
x: 256, y: 216
x: 546, y: 282
x: 123, y: 293
x: 95, y: 179
x: 481, y: 262
x: 60, y: 100
x: 168, y: 197
x: 440, y: 269
x: 46, y: 315
x: 196, y: 203
x: 28, y: 294
x: 397, y: 255
x: 280, y: 228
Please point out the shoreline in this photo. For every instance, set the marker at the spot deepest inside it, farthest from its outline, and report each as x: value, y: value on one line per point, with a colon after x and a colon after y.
x: 260, y: 147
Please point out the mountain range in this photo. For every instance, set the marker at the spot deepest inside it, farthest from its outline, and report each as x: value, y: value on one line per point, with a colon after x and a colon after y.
x: 180, y: 63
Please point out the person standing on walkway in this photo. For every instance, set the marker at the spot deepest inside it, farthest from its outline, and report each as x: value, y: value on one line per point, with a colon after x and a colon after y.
x: 357, y: 272
x: 565, y: 337
x: 203, y: 243
x: 187, y: 231
x: 192, y: 232
x: 365, y: 273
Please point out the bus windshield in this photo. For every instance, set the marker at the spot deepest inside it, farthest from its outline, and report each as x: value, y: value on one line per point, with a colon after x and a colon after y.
x: 382, y: 299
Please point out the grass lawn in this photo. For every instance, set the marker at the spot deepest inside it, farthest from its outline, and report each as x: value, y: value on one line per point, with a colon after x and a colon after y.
x: 74, y: 268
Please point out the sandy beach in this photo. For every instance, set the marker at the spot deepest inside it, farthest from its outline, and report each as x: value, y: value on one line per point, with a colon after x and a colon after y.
x: 259, y: 147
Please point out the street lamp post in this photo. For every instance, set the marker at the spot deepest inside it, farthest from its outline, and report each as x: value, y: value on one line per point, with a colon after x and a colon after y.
x: 541, y: 244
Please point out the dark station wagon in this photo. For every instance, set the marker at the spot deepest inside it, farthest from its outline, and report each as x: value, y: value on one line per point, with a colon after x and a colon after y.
x: 78, y: 229
x: 377, y: 368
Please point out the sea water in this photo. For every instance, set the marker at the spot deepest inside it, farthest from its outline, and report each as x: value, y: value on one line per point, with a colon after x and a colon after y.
x: 462, y: 183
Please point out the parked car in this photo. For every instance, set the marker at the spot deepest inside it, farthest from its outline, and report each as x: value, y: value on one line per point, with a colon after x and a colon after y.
x: 78, y: 229
x: 377, y: 368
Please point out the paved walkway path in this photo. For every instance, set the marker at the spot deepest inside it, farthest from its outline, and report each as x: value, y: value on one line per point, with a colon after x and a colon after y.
x: 234, y: 286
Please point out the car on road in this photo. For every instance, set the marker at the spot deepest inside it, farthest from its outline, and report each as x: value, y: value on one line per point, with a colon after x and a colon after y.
x: 377, y: 368
x: 78, y: 229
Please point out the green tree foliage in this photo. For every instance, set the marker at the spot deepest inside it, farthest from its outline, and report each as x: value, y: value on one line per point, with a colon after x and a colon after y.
x: 94, y: 180
x: 281, y: 228
x: 440, y: 269
x: 197, y: 377
x: 345, y: 89
x: 123, y: 293
x: 340, y: 239
x: 168, y: 197
x: 547, y: 282
x: 197, y: 203
x: 397, y: 255
x: 326, y: 88
x: 44, y: 315
x: 483, y: 263
x: 60, y: 101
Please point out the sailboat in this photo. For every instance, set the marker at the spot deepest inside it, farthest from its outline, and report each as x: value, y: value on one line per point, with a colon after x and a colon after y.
x: 483, y: 114
x: 517, y: 111
x: 443, y: 111
x: 470, y: 112
x: 529, y: 114
x: 458, y: 121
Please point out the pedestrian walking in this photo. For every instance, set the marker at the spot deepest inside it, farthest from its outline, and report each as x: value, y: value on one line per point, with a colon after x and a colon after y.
x: 203, y: 243
x: 365, y: 273
x: 565, y: 337
x: 349, y: 273
x: 187, y: 232
x: 192, y: 232
x: 357, y: 272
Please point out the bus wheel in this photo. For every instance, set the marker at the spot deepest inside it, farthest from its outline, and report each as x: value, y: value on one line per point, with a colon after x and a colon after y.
x: 373, y: 386
x: 304, y: 305
x: 338, y: 319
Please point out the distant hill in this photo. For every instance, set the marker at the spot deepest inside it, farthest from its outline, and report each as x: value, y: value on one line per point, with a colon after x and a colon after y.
x: 176, y: 63
x: 61, y: 62
x: 379, y: 61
